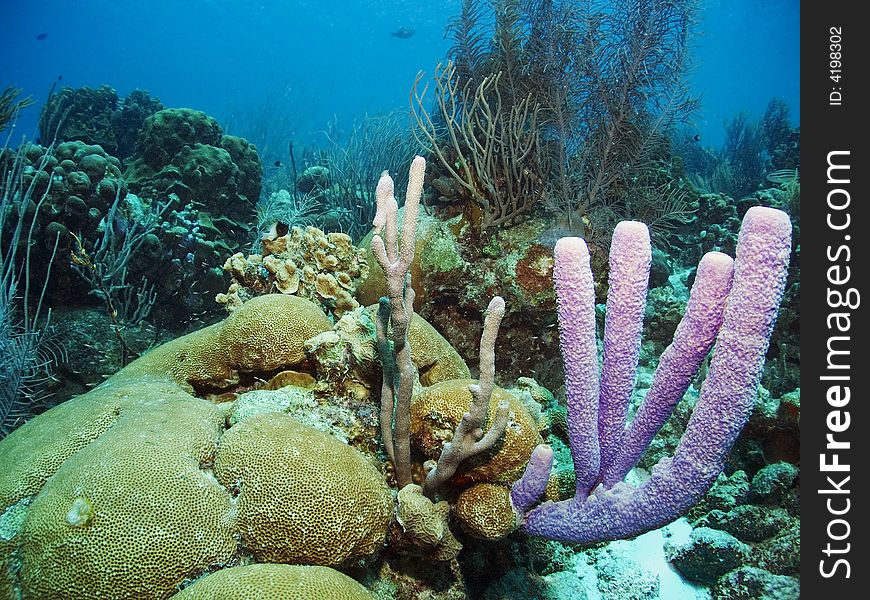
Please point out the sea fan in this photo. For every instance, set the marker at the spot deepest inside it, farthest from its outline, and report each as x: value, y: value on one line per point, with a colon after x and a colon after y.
x: 28, y: 344
x: 26, y: 362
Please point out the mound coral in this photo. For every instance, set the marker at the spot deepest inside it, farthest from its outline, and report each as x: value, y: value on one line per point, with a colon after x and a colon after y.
x: 304, y: 496
x: 97, y: 116
x: 183, y: 152
x: 485, y: 510
x: 275, y: 581
x: 113, y: 479
x: 436, y: 412
x: 137, y: 487
x: 267, y: 333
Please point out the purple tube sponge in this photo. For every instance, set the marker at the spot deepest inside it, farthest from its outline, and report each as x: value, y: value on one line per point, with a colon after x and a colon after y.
x: 575, y: 293
x: 679, y: 363
x: 528, y: 490
x: 630, y: 257
x: 741, y: 318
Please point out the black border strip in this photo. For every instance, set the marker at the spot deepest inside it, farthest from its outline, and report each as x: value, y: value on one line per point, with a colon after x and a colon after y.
x: 834, y: 275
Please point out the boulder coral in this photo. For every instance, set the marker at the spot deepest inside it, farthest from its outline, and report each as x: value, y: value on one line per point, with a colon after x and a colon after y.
x: 97, y: 116
x: 183, y: 152
x: 267, y: 333
x: 137, y: 488
x: 437, y: 410
x: 115, y: 478
x: 304, y: 497
x: 72, y: 184
x: 168, y: 131
x: 485, y: 511
x: 275, y: 581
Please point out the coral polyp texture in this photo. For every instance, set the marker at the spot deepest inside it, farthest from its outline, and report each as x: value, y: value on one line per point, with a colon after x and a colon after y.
x: 268, y: 332
x: 114, y: 478
x: 436, y: 412
x: 743, y: 313
x: 304, y: 496
x: 137, y: 487
x: 276, y: 581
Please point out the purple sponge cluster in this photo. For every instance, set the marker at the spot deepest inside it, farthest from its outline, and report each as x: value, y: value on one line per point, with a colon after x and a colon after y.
x: 732, y: 304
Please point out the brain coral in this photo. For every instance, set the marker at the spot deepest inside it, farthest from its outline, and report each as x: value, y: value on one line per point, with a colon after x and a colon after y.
x: 264, y: 334
x: 294, y: 582
x: 113, y: 493
x: 437, y: 410
x: 107, y: 499
x: 304, y: 497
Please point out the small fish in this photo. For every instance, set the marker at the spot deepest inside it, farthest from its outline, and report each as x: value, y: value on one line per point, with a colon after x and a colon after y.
x: 403, y: 33
x: 41, y: 36
x: 277, y: 163
x: 697, y: 137
x: 120, y: 226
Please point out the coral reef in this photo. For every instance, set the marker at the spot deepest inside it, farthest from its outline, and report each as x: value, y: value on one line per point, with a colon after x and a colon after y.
x: 97, y: 117
x: 75, y: 184
x: 143, y: 431
x: 454, y: 275
x: 325, y: 268
x: 183, y: 152
x: 259, y: 440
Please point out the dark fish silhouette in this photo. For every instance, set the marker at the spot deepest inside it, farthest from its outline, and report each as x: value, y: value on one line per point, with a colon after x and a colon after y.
x: 44, y: 35
x: 277, y: 163
x: 403, y: 33
x: 697, y: 137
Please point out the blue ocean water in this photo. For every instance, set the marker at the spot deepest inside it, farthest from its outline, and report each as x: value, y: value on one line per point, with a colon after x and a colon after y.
x: 323, y: 60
